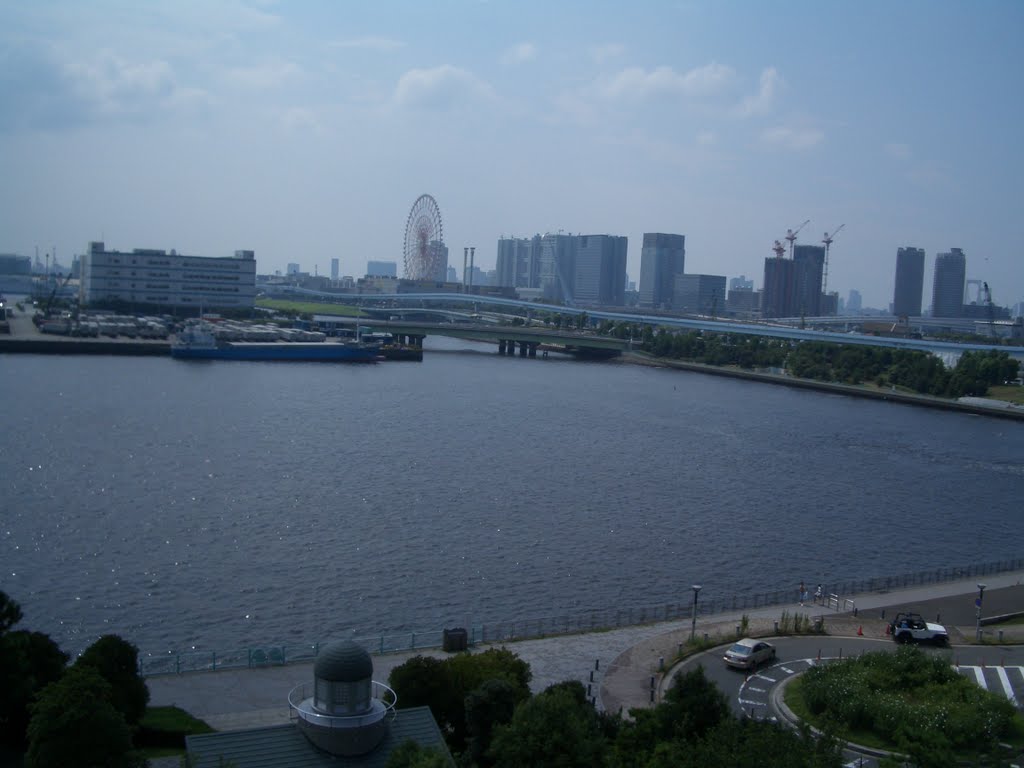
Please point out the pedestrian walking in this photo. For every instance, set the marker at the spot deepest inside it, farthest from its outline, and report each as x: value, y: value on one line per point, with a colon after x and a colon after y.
x: 817, y: 594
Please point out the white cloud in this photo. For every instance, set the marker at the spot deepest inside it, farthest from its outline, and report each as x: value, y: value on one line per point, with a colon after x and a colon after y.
x: 442, y: 87
x: 271, y: 74
x: 370, y: 43
x: 792, y: 138
x: 520, y: 53
x: 762, y: 102
x: 636, y: 82
x: 602, y: 53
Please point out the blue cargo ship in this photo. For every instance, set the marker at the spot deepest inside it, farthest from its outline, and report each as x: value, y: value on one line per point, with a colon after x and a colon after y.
x: 197, y: 342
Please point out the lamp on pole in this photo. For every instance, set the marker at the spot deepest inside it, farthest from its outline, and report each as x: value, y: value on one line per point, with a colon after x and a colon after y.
x: 693, y: 626
x: 981, y: 594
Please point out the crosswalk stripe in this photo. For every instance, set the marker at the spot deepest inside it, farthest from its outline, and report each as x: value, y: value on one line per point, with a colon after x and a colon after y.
x: 1007, y: 688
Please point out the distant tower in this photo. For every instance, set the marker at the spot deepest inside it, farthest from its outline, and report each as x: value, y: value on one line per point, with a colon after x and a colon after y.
x: 343, y: 716
x: 662, y: 257
x: 906, y: 298
x: 948, y: 284
x: 334, y: 269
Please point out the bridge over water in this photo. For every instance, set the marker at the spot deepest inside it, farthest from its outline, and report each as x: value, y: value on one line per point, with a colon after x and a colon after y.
x: 947, y: 350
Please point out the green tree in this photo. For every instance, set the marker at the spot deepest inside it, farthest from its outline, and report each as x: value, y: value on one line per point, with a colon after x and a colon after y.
x: 117, y: 661
x: 75, y: 725
x: 409, y: 754
x: 29, y: 661
x: 556, y: 727
x: 487, y: 707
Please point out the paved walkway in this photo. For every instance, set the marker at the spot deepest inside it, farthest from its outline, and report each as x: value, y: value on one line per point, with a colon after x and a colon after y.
x: 625, y: 659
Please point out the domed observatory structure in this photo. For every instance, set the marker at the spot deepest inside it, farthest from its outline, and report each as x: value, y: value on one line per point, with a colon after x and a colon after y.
x: 349, y: 712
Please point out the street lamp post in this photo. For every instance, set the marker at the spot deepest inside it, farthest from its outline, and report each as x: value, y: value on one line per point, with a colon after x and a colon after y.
x: 981, y: 594
x: 693, y: 626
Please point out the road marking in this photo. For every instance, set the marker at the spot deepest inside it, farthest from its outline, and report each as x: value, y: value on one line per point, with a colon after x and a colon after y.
x: 759, y: 690
x: 787, y: 670
x: 765, y: 677
x: 1007, y: 688
x: 749, y: 703
x: 978, y: 676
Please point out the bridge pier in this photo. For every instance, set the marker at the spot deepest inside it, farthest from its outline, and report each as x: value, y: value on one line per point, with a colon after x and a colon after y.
x: 501, y: 346
x: 533, y: 348
x: 523, y: 348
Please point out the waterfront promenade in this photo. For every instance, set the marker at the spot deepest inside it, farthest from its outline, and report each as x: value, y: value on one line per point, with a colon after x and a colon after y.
x: 626, y: 658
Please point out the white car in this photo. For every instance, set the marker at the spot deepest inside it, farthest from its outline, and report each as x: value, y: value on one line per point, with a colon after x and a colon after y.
x: 908, y: 627
x: 749, y: 654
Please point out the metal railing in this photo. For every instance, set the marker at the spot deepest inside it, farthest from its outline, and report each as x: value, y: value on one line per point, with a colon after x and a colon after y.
x: 578, y: 622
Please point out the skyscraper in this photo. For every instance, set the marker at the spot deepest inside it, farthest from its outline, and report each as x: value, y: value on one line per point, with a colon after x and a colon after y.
x: 906, y: 298
x: 334, y: 269
x: 699, y: 294
x: 661, y: 259
x: 518, y: 264
x: 948, y: 284
x: 808, y: 267
x: 777, y: 295
x: 600, y: 273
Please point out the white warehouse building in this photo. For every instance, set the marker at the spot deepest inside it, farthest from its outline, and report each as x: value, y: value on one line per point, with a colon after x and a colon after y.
x: 151, y: 276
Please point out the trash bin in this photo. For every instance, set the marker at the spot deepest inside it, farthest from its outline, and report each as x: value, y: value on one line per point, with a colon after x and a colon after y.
x: 455, y: 640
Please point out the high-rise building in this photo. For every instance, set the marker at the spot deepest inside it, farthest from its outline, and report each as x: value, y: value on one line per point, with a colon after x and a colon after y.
x: 854, y: 303
x: 292, y: 269
x: 777, y: 295
x: 600, y: 270
x: 808, y: 267
x: 699, y: 294
x: 906, y: 298
x: 518, y: 264
x: 382, y: 269
x: 948, y: 284
x: 661, y: 259
x: 335, y: 269
x: 741, y: 283
x: 557, y: 268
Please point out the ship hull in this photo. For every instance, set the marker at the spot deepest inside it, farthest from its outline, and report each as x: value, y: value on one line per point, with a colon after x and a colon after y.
x: 325, y: 352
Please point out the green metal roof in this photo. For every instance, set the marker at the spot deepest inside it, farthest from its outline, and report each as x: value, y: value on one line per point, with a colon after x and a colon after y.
x: 284, y: 746
x: 343, y: 662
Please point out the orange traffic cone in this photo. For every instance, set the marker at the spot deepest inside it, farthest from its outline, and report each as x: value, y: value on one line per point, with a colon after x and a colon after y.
x: 860, y: 631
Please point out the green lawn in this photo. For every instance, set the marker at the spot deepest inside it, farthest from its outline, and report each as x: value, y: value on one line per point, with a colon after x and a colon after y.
x: 310, y: 307
x: 1008, y: 392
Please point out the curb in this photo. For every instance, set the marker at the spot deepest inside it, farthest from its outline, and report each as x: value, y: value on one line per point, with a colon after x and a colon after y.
x: 787, y: 717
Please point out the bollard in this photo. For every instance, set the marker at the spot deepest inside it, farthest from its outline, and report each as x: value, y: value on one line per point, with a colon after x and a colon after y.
x: 938, y: 618
x: 1000, y: 635
x: 652, y: 695
x: 737, y: 630
x: 591, y: 675
x: 855, y: 612
x: 840, y: 654
x: 883, y: 613
x: 597, y: 663
x: 705, y: 637
x: 588, y: 689
x: 776, y: 627
x: 661, y: 663
x: 680, y: 651
x: 652, y: 682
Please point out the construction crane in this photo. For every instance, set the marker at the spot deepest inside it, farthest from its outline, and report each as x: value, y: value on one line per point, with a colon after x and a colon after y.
x: 779, y: 248
x: 828, y: 244
x: 791, y: 236
x: 991, y: 309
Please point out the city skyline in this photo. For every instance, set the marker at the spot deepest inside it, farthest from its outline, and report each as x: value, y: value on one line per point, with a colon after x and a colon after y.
x: 304, y: 133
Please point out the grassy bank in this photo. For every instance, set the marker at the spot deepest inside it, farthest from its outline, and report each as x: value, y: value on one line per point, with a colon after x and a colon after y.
x: 310, y: 307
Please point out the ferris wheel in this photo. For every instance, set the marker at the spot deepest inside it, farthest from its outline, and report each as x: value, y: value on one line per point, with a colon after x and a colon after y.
x: 424, y: 256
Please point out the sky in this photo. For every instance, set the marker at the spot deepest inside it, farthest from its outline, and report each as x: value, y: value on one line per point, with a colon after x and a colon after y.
x: 305, y: 130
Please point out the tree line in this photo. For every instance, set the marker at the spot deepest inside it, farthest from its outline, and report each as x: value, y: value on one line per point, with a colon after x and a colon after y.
x: 483, y: 705
x: 912, y: 370
x: 85, y: 714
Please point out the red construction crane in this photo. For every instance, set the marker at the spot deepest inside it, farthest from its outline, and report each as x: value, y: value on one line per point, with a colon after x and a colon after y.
x: 828, y: 244
x: 791, y: 236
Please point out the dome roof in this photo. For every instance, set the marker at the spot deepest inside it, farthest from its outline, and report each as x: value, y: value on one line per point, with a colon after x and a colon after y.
x: 343, y: 662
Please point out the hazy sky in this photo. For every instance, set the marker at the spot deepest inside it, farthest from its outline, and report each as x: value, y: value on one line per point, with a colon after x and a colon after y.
x: 305, y: 130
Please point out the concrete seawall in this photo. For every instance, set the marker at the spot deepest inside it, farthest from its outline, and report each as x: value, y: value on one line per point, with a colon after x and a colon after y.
x: 906, y: 398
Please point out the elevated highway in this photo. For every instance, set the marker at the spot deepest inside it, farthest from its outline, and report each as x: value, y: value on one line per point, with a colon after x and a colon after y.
x: 947, y: 350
